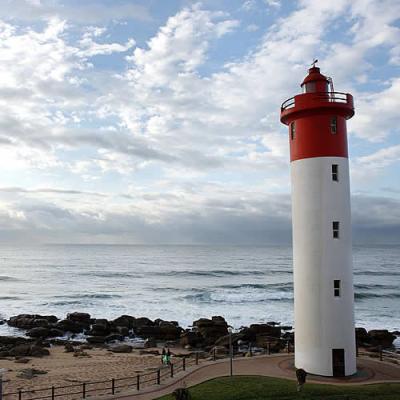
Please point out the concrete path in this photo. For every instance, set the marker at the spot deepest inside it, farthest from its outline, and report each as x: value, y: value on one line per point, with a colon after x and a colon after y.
x: 277, y: 366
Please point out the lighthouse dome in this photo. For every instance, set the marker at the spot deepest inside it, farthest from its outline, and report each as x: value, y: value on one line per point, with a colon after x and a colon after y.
x: 315, y: 81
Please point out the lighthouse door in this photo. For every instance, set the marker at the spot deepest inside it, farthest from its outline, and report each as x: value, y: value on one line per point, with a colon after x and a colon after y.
x: 338, y: 362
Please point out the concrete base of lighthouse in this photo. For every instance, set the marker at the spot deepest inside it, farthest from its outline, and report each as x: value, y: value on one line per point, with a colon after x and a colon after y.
x: 324, y: 322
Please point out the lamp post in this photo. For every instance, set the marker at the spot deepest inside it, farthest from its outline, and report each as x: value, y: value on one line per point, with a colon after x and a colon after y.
x: 230, y: 350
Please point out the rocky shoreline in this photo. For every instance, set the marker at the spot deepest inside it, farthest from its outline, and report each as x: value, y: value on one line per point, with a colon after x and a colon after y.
x: 39, y: 332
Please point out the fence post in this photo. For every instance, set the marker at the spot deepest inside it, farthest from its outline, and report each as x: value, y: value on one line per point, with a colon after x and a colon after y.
x: 52, y: 392
x: 357, y: 348
x: 19, y: 394
x: 138, y: 382
x: 1, y: 384
x: 288, y: 346
x: 380, y: 353
x: 197, y: 358
x: 172, y: 370
x: 158, y: 377
x: 269, y: 348
x: 112, y: 386
x: 84, y: 390
x: 183, y: 364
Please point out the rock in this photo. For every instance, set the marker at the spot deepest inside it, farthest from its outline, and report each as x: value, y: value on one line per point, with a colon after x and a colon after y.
x: 2, y: 322
x: 362, y: 336
x: 28, y: 349
x: 20, y: 350
x: 286, y: 327
x: 68, y: 348
x: 80, y: 318
x: 381, y: 337
x: 96, y: 339
x: 250, y: 333
x: 190, y: 338
x: 67, y: 325
x: 38, y: 351
x: 39, y: 332
x: 13, y: 340
x: 211, y: 329
x: 28, y: 321
x: 21, y: 360
x: 30, y: 373
x: 121, y: 348
x: 123, y: 330
x: 114, y: 338
x: 225, y: 340
x: 125, y: 320
x: 81, y: 353
x: 54, y: 332
x: 141, y: 322
x: 99, y: 330
x: 165, y: 331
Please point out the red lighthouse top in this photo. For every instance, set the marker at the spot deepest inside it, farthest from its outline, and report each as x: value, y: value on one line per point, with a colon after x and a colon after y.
x: 315, y: 81
x: 317, y: 118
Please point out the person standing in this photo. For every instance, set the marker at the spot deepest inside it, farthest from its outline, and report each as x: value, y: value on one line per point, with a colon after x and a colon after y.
x: 163, y: 356
x: 301, y: 375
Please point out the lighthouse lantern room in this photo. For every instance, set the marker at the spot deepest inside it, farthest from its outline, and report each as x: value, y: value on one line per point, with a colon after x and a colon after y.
x: 322, y: 259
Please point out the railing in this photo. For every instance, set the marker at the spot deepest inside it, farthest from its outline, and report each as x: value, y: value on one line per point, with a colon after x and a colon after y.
x: 289, y: 103
x: 382, y: 354
x: 331, y: 97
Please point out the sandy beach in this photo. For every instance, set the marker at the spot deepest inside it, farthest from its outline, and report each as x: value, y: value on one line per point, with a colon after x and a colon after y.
x: 63, y: 369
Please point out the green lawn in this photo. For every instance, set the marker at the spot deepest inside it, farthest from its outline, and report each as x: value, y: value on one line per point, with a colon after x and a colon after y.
x: 264, y: 388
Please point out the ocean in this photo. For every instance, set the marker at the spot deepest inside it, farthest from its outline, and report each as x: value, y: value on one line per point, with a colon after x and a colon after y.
x: 245, y: 284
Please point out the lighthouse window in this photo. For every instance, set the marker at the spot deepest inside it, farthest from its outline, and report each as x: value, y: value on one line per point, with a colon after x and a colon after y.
x: 335, y: 172
x: 334, y: 125
x: 310, y: 87
x: 336, y: 288
x: 292, y: 130
x: 335, y: 229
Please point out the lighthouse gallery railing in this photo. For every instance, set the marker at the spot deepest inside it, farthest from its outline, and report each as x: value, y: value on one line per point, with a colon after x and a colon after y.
x: 331, y: 97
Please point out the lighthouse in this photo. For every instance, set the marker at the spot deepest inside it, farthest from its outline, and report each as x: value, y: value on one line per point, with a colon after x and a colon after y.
x: 322, y: 259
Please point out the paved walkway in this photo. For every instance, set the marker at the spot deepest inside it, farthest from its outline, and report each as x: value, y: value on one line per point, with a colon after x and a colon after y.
x: 277, y: 366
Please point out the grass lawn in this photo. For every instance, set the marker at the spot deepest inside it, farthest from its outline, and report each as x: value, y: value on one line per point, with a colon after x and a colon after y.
x: 264, y: 388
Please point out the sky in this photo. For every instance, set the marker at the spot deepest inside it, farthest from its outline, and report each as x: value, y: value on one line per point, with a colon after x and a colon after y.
x: 157, y: 121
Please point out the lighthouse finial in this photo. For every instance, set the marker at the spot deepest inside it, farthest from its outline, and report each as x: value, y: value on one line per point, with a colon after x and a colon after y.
x: 314, y: 62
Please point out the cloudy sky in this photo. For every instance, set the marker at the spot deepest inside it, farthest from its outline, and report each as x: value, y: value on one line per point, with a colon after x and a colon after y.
x: 157, y: 121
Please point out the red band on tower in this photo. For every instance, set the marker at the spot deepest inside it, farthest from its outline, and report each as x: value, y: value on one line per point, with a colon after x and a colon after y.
x: 317, y: 119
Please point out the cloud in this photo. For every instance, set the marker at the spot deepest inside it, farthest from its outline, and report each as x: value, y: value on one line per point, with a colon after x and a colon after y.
x: 170, y: 149
x: 87, y: 12
x: 218, y: 214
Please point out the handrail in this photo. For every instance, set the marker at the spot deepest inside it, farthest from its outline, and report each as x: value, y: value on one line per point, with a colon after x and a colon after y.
x: 331, y: 97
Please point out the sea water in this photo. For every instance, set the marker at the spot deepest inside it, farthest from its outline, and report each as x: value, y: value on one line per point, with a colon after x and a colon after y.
x: 245, y: 284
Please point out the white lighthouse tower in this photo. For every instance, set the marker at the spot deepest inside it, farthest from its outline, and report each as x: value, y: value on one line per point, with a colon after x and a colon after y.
x: 322, y: 260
